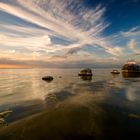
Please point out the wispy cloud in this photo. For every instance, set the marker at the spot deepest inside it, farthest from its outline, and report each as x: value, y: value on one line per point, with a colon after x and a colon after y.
x: 67, y: 19
x: 132, y: 44
x: 133, y: 32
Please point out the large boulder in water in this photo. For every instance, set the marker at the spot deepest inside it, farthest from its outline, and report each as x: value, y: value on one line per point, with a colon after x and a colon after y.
x: 131, y: 68
x: 85, y: 72
x: 130, y: 74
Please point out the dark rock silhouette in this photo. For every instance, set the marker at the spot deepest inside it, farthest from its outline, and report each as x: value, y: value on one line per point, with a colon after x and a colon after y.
x: 47, y: 78
x: 130, y: 74
x: 131, y: 67
x: 130, y: 70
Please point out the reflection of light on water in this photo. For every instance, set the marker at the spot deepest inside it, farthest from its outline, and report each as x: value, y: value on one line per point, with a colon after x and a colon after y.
x: 130, y: 94
x: 73, y: 107
x: 25, y: 85
x: 80, y: 93
x: 35, y: 90
x: 86, y: 78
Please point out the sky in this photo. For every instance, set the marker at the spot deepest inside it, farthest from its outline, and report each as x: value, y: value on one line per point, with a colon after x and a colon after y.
x: 68, y: 33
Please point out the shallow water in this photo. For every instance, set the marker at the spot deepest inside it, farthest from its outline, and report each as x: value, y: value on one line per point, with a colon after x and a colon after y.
x: 105, y: 106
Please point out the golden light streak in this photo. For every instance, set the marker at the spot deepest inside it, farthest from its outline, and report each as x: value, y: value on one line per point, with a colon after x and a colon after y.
x: 6, y: 66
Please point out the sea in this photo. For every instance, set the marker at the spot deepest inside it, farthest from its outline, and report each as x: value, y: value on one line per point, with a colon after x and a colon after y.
x: 104, y: 106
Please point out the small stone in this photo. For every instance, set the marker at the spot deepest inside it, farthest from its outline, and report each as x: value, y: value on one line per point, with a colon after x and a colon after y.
x: 115, y: 72
x: 47, y: 78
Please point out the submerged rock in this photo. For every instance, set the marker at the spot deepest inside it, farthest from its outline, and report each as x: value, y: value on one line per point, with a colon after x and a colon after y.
x: 85, y: 72
x: 47, y: 78
x: 3, y: 115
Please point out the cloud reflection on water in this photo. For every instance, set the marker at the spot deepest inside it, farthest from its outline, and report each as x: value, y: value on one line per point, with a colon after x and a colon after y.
x: 72, y: 108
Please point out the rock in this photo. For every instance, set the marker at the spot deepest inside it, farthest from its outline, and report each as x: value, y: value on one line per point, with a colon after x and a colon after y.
x: 131, y: 70
x: 128, y: 68
x: 130, y: 74
x: 86, y: 78
x: 47, y: 78
x: 115, y: 72
x: 3, y: 115
x: 85, y: 72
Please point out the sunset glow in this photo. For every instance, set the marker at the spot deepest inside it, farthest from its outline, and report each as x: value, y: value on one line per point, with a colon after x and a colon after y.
x: 5, y: 66
x: 69, y: 33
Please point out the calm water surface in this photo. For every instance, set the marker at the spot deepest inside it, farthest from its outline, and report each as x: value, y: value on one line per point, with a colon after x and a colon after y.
x: 105, y: 106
